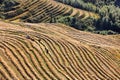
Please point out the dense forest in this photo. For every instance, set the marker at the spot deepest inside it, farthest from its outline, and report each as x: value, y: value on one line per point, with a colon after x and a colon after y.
x: 109, y: 11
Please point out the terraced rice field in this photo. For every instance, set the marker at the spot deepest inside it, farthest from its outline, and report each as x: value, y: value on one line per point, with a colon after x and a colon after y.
x: 56, y: 52
x: 42, y: 11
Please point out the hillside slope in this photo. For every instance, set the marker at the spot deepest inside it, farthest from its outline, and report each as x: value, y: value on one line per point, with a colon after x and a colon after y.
x: 56, y: 52
x: 36, y: 11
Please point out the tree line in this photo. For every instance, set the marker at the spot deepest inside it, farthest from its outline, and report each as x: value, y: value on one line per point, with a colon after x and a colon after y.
x: 108, y: 10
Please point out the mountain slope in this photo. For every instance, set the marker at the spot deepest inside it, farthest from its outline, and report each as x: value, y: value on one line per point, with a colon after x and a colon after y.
x: 43, y: 11
x: 55, y: 51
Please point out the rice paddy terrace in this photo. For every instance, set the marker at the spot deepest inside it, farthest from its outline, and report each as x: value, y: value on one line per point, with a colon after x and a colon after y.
x: 47, y: 51
x: 56, y: 52
x: 43, y: 10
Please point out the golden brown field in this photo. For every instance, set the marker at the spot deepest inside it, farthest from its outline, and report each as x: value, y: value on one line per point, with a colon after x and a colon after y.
x: 50, y: 51
x: 56, y: 52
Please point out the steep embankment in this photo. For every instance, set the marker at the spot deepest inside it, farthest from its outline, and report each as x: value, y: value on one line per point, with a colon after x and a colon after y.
x: 54, y: 51
x: 43, y: 10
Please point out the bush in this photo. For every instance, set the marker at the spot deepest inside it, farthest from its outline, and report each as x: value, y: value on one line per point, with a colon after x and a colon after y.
x: 106, y: 32
x: 85, y: 24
